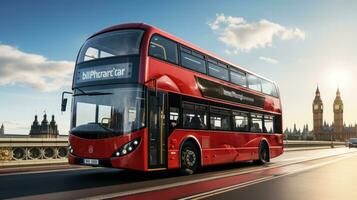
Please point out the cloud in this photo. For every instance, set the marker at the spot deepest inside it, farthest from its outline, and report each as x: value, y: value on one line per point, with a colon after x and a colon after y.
x: 239, y: 35
x: 269, y: 60
x: 20, y: 68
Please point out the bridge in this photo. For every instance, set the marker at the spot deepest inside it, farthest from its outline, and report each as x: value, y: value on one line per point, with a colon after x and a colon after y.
x: 35, y: 168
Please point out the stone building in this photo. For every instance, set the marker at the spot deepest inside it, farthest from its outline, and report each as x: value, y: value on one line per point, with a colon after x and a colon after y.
x: 45, y: 129
x: 298, y: 134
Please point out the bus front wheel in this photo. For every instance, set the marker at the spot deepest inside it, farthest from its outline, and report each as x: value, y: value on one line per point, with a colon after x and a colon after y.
x: 190, y: 159
x: 263, y: 154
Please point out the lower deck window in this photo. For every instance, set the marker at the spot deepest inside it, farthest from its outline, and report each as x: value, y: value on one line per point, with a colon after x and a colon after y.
x: 268, y: 124
x: 220, y: 119
x: 257, y: 123
x: 240, y: 121
x: 194, y: 116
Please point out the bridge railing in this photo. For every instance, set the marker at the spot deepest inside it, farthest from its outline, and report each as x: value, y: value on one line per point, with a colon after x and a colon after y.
x: 34, y: 151
x: 31, y: 151
x: 312, y: 143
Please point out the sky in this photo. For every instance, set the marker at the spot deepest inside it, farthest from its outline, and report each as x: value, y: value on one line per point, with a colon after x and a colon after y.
x: 298, y: 44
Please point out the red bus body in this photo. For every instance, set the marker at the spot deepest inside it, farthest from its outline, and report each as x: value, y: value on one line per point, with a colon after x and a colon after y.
x: 215, y: 146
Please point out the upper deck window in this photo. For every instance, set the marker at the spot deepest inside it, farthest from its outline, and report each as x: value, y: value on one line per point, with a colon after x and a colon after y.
x: 193, y: 60
x: 238, y: 77
x: 254, y: 83
x: 269, y: 88
x: 116, y: 43
x: 163, y: 49
x: 218, y: 71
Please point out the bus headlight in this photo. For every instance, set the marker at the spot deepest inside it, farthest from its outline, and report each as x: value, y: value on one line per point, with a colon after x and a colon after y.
x: 127, y: 148
x: 70, y: 149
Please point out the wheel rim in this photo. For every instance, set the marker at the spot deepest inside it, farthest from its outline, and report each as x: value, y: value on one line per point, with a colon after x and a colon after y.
x: 189, y: 158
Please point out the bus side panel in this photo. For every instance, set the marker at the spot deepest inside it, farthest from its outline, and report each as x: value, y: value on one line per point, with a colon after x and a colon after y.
x: 220, y: 147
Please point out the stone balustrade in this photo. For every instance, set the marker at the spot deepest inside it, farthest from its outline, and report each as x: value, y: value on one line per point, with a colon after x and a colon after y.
x: 32, y: 151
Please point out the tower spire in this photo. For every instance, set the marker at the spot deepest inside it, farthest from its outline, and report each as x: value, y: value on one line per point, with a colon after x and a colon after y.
x: 317, y: 92
x: 338, y: 93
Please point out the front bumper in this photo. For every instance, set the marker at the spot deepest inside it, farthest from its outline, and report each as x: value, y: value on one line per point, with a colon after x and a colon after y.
x: 74, y: 160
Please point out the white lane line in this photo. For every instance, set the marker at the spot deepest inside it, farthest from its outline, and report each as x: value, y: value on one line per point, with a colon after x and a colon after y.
x: 296, y: 158
x: 177, y: 184
x: 242, y: 185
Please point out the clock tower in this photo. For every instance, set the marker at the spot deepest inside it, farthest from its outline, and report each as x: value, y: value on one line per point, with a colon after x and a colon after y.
x: 317, y: 110
x: 338, y: 115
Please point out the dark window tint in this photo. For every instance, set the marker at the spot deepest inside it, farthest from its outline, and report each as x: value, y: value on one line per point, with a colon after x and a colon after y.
x: 187, y: 50
x: 116, y: 43
x: 240, y: 121
x: 193, y: 62
x: 269, y: 88
x: 257, y: 123
x: 194, y: 116
x: 217, y: 71
x: 163, y: 49
x: 268, y: 124
x: 239, y: 78
x: 254, y: 83
x: 220, y: 119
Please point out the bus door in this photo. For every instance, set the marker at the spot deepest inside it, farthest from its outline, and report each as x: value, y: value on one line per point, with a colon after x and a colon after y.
x: 157, y: 129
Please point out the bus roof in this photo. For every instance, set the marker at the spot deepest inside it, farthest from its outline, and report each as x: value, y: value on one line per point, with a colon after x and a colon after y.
x: 154, y: 29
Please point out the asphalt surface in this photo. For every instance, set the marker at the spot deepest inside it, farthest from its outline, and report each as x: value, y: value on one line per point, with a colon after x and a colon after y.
x: 335, y: 180
x: 75, y: 183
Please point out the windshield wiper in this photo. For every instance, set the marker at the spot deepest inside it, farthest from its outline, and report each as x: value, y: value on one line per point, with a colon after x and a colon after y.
x: 91, y: 93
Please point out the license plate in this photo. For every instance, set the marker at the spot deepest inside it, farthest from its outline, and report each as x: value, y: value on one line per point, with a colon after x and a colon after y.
x: 90, y: 161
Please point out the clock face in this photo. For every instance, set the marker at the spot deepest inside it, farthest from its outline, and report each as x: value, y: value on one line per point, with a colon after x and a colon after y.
x: 316, y: 107
x: 337, y: 107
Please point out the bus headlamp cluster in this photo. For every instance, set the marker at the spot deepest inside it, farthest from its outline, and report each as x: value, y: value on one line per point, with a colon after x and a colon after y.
x: 70, y: 149
x: 127, y: 148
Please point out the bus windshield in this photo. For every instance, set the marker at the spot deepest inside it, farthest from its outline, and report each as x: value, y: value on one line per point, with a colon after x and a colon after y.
x: 111, y: 110
x: 116, y: 43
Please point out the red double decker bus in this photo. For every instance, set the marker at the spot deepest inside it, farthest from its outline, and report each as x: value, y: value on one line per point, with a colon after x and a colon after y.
x: 146, y: 100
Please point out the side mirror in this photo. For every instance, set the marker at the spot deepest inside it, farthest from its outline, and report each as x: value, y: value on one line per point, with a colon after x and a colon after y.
x: 64, y: 104
x: 64, y: 101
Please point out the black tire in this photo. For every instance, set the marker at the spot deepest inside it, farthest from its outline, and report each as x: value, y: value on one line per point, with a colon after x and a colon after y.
x: 189, y: 159
x: 263, y: 154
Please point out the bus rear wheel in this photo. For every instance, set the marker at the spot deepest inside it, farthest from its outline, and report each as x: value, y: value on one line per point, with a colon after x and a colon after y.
x: 190, y: 159
x: 263, y: 154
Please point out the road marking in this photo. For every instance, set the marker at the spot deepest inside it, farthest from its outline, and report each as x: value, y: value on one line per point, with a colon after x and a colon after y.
x: 296, y: 158
x: 253, y: 182
x: 218, y: 176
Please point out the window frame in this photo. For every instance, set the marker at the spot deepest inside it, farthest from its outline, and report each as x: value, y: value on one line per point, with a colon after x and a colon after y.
x: 194, y: 110
x: 233, y: 120
x: 141, y: 44
x: 257, y: 78
x: 269, y: 117
x: 258, y: 116
x: 195, y: 54
x: 218, y: 111
x: 218, y: 66
x: 177, y: 49
x: 238, y: 72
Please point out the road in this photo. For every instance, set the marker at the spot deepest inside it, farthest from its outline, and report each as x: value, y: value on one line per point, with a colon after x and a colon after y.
x: 312, y: 174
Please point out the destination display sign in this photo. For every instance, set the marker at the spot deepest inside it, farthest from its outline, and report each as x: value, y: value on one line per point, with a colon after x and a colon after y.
x: 218, y: 91
x: 104, y: 72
